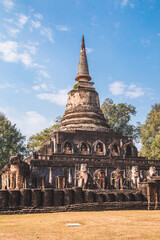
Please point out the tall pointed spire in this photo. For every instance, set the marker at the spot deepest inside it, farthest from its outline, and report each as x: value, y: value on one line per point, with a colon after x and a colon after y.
x: 83, y: 110
x: 83, y: 72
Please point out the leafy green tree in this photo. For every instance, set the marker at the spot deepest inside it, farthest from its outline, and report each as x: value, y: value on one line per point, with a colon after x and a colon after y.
x: 75, y: 86
x: 150, y: 134
x: 11, y: 140
x: 37, y: 139
x: 118, y: 117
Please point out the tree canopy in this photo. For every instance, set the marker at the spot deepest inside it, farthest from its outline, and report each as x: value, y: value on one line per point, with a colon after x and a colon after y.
x: 37, y: 139
x: 118, y: 117
x: 150, y: 134
x: 11, y: 140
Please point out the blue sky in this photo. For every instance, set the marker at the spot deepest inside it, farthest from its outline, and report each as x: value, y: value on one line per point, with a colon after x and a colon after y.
x: 39, y: 53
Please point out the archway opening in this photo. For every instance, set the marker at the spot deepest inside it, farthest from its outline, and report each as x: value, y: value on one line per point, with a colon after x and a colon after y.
x: 84, y: 149
x: 128, y: 151
x: 68, y: 148
x: 99, y: 149
x: 115, y: 150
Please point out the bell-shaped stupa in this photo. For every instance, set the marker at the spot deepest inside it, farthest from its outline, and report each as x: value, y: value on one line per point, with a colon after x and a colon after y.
x: 83, y: 110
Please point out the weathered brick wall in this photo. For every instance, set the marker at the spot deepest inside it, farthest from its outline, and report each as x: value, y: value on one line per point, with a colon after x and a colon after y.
x: 37, y: 198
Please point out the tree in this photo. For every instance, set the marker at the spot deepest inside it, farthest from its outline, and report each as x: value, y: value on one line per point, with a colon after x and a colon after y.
x: 37, y: 139
x: 75, y: 86
x: 11, y: 140
x: 118, y: 117
x: 150, y: 134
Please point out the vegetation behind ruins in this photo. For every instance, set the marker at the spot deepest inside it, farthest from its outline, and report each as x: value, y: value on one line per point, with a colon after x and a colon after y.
x: 150, y: 134
x: 118, y: 117
x: 11, y: 140
x: 37, y: 139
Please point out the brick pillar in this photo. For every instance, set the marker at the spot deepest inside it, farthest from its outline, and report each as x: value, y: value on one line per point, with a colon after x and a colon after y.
x: 121, y: 183
x: 8, y: 180
x: 151, y: 188
x: 11, y: 181
x: 55, y: 144
x: 157, y: 195
x: 50, y: 175
x: 17, y: 180
x: 43, y: 182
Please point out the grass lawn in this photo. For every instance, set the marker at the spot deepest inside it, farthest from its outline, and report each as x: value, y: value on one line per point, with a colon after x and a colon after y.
x: 94, y: 225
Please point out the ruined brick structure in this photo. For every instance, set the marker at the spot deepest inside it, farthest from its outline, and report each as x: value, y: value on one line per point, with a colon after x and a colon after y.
x: 84, y: 152
x: 15, y: 175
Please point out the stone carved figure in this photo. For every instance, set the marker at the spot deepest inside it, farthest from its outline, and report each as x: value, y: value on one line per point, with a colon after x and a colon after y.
x: 99, y: 149
x: 99, y: 178
x: 151, y: 173
x: 68, y: 148
x: 14, y: 159
x: 84, y: 148
x: 135, y: 179
x: 114, y: 150
x: 82, y: 176
x: 117, y: 179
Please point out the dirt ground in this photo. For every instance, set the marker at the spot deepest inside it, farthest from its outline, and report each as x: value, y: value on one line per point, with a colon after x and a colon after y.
x: 94, y: 225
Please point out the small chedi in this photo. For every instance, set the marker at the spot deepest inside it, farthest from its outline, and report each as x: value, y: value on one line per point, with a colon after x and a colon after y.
x: 83, y: 162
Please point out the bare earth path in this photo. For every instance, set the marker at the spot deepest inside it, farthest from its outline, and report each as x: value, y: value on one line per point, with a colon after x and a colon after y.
x: 94, y: 225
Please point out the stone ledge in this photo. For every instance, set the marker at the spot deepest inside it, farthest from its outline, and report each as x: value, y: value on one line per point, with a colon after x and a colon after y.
x: 105, y: 206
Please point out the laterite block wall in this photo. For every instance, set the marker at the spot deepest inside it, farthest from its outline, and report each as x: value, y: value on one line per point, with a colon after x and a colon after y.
x: 38, y: 198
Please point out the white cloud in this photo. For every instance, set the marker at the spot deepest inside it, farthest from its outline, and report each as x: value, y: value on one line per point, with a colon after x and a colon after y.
x: 6, y: 85
x: 131, y: 5
x: 135, y: 92
x: 26, y: 59
x: 41, y: 87
x: 44, y: 74
x: 16, y: 25
x: 117, y: 88
x: 34, y: 122
x: 9, y: 20
x: 12, y: 31
x: 2, y: 36
x: 131, y: 91
x: 59, y: 97
x: 48, y: 33
x: 89, y: 50
x: 124, y: 3
x: 3, y: 110
x: 62, y: 28
x: 30, y: 123
x: 44, y: 87
x: 10, y: 52
x: 22, y: 20
x: 8, y: 4
x: 38, y: 16
x: 31, y: 48
x: 36, y: 87
x: 35, y: 24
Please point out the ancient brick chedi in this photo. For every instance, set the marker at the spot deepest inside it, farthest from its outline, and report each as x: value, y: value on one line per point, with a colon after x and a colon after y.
x: 83, y: 109
x: 84, y: 152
